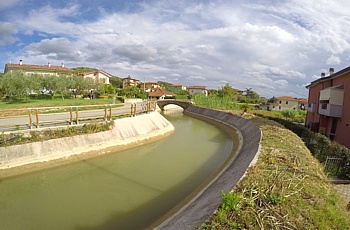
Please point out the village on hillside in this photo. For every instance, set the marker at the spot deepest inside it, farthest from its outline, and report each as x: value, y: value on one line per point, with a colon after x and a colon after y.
x: 157, y: 90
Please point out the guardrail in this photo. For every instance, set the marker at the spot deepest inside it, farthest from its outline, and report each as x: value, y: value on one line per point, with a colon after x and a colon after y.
x: 38, y: 117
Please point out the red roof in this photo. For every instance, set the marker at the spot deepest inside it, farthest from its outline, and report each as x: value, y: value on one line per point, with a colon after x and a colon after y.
x: 196, y: 87
x: 288, y: 98
x: 159, y: 92
x: 37, y: 67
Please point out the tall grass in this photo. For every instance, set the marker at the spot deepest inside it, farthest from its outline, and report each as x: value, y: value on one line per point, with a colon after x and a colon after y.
x: 215, y: 102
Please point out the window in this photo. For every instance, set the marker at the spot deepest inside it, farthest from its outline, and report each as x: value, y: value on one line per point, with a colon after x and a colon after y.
x: 280, y: 102
x: 286, y: 102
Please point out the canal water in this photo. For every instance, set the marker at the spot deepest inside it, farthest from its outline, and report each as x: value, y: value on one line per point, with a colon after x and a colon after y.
x: 124, y: 190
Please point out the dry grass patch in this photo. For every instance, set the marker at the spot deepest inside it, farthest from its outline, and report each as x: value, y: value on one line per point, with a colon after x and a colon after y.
x: 286, y: 189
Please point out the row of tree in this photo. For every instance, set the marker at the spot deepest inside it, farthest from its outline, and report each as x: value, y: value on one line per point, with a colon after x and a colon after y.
x: 18, y: 85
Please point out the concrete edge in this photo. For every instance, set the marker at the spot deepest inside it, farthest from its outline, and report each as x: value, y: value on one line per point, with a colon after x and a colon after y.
x: 206, y: 202
x: 82, y: 144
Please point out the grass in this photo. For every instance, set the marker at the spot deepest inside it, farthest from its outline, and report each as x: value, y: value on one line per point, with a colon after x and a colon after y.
x: 9, y: 107
x: 48, y: 134
x: 286, y: 189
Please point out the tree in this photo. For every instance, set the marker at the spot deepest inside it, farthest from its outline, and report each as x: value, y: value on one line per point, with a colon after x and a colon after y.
x: 16, y: 84
x: 116, y: 82
x: 289, y: 113
x: 213, y: 92
x: 227, y: 91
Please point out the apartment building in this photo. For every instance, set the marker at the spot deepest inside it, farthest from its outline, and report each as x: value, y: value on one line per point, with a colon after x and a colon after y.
x: 328, y: 109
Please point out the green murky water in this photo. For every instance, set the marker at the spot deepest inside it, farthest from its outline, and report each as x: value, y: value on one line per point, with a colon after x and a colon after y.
x: 125, y: 190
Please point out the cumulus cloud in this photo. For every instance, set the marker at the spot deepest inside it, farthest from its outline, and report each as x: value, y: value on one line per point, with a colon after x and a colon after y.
x: 273, y: 48
x: 56, y: 48
x: 7, y: 32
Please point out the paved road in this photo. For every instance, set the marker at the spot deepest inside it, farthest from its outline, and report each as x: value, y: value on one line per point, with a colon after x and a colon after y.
x: 56, y: 119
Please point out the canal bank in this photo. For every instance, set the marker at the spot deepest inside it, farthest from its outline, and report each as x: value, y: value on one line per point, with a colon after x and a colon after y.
x: 126, y: 133
x: 198, y: 208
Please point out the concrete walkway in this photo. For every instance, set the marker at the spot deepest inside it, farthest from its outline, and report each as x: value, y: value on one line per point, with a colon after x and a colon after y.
x: 344, y: 191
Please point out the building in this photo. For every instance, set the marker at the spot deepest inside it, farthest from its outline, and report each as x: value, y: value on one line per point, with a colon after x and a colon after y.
x: 192, y: 90
x: 99, y: 75
x: 150, y: 86
x: 328, y: 110
x: 178, y: 87
x: 30, y: 69
x: 128, y: 81
x: 284, y: 102
x: 160, y: 94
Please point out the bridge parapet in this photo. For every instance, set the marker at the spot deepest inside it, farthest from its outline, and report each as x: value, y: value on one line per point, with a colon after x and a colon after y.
x: 182, y: 104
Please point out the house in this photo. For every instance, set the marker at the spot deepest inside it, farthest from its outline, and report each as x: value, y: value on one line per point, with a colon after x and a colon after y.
x: 149, y: 86
x: 178, y: 87
x: 128, y: 81
x: 328, y: 110
x: 192, y: 90
x: 283, y: 103
x: 160, y: 94
x: 30, y: 69
x: 99, y: 75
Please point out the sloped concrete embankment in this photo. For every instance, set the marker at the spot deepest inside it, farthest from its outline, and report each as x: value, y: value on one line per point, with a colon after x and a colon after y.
x: 204, y: 204
x: 131, y: 131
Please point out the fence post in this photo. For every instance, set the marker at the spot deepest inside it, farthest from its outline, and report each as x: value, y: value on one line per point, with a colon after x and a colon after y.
x: 148, y: 106
x: 30, y: 118
x: 110, y: 111
x: 105, y: 112
x: 134, y: 109
x: 76, y: 115
x: 37, y: 117
x: 70, y: 115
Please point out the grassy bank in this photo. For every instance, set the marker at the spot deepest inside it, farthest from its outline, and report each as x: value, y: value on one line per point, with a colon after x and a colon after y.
x: 10, y: 107
x: 286, y: 189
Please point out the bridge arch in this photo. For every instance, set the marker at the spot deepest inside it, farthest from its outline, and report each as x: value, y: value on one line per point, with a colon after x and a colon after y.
x: 182, y: 104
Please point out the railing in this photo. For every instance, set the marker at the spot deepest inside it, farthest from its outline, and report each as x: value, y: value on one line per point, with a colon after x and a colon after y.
x: 38, y: 118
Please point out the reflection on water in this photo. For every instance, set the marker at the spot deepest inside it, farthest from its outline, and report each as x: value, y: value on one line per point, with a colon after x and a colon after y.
x: 125, y: 190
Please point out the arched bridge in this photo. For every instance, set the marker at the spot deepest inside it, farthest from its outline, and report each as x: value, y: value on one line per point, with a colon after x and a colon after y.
x: 182, y: 104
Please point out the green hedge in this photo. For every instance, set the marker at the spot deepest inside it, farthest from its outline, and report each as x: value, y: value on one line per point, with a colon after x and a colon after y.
x: 320, y: 146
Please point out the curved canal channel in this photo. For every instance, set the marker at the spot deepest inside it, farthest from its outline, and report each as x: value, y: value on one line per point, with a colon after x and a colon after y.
x: 130, y: 189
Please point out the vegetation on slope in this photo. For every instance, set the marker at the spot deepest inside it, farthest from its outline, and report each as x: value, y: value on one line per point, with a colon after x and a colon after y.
x: 286, y: 189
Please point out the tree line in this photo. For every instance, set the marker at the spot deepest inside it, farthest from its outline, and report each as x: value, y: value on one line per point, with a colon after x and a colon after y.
x: 18, y: 85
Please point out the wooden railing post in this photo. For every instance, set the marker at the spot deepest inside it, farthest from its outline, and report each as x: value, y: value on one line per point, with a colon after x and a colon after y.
x: 134, y: 109
x: 105, y: 113
x: 76, y: 115
x: 30, y: 118
x: 110, y: 111
x: 71, y: 115
x: 37, y: 117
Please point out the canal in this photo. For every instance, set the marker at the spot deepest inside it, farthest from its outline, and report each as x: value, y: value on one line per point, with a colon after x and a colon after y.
x: 129, y: 189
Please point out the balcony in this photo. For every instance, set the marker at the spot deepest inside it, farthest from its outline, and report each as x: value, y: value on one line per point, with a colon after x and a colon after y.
x: 330, y: 110
x: 335, y: 95
x: 311, y: 107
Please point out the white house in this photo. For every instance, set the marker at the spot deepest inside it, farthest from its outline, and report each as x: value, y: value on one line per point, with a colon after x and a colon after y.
x: 99, y: 75
x: 192, y: 90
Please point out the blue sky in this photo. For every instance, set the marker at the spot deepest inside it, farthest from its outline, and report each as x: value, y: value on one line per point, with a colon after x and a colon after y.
x: 273, y: 47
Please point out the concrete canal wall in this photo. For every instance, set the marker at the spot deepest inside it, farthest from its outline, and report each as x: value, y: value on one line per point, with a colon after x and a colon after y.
x: 203, y: 204
x: 130, y: 131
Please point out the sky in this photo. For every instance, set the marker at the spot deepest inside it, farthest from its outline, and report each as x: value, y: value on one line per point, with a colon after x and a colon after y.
x: 275, y: 48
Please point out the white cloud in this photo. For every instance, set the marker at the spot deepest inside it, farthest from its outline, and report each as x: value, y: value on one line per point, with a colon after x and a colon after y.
x: 272, y: 48
x: 333, y: 60
x: 7, y: 32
